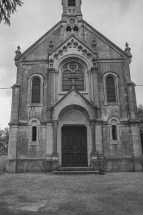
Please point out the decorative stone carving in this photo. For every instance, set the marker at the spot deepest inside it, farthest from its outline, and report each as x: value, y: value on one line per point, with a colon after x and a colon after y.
x: 73, y: 43
x: 74, y: 116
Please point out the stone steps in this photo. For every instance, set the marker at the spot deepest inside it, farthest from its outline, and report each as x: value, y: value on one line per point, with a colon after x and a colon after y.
x: 75, y: 170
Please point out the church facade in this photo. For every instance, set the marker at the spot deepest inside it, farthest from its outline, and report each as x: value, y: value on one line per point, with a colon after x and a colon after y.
x: 73, y: 103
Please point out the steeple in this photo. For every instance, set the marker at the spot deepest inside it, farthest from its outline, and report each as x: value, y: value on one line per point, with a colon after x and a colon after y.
x: 71, y: 8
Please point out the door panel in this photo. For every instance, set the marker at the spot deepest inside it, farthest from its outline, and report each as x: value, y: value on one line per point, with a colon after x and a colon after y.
x: 74, y: 146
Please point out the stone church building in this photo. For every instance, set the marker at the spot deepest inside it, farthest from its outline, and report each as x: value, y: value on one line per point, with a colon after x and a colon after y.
x: 73, y: 103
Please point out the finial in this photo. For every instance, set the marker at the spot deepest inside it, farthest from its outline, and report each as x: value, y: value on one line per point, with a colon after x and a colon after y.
x: 127, y: 49
x: 18, y: 48
x: 127, y: 45
x: 18, y: 53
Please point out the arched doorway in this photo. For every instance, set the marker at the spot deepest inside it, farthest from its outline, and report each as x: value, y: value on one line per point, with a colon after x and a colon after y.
x: 74, y: 139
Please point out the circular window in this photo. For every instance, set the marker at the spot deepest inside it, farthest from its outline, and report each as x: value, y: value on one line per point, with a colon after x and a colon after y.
x: 72, y: 21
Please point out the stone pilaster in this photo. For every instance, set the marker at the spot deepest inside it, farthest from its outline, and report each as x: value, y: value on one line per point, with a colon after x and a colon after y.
x: 95, y: 78
x: 56, y: 86
x: 15, y: 104
x: 12, y: 149
x: 93, y: 134
x: 89, y: 82
x: 132, y: 100
x: 55, y: 127
x: 55, y: 156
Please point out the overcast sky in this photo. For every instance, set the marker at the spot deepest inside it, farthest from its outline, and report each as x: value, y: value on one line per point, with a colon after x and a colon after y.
x: 119, y: 20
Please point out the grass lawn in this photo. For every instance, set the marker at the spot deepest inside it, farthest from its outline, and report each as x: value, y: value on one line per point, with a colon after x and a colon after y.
x: 44, y: 194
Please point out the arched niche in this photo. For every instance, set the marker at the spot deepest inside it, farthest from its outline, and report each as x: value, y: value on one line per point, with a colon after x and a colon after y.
x: 74, y: 114
x: 73, y: 117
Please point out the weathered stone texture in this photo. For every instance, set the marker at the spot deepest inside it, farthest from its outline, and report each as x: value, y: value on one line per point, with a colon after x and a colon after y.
x: 99, y: 58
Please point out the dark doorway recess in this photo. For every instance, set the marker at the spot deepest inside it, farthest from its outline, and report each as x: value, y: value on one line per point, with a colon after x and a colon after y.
x: 74, y: 146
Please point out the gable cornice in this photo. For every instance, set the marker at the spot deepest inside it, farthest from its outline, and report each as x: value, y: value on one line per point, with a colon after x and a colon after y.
x: 106, y: 40
x: 72, y: 36
x: 38, y: 42
x: 73, y: 89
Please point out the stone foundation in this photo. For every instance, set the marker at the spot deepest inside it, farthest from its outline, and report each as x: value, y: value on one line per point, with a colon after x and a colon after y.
x: 101, y: 165
x: 123, y: 165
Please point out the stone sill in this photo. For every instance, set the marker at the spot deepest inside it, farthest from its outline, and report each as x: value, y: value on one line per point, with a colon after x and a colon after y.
x: 114, y: 142
x: 33, y: 143
x: 35, y: 105
x: 111, y: 104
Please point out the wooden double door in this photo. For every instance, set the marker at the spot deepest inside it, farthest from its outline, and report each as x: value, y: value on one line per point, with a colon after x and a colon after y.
x: 74, y: 146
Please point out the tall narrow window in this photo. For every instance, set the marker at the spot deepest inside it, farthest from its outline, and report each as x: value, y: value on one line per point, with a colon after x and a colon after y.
x: 36, y: 90
x: 71, y: 2
x: 110, y: 87
x: 34, y: 133
x: 114, y: 132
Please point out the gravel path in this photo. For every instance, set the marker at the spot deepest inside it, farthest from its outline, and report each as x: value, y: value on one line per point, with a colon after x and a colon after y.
x: 44, y: 194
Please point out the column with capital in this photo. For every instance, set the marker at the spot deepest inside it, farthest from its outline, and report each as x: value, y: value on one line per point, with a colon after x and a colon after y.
x: 55, y: 127
x: 56, y: 86
x: 93, y: 134
x: 95, y: 78
x: 89, y: 83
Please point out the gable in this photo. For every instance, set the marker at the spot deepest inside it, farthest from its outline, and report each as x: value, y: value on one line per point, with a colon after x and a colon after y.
x: 40, y: 49
x: 61, y: 41
x: 104, y: 47
x: 74, y: 98
x: 72, y: 46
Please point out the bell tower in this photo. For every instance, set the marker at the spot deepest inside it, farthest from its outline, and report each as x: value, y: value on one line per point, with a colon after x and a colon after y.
x: 71, y: 8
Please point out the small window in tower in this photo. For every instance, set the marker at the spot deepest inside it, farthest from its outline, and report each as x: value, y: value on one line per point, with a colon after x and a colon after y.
x: 114, y: 132
x: 71, y: 3
x: 75, y: 29
x: 68, y: 29
x: 34, y: 133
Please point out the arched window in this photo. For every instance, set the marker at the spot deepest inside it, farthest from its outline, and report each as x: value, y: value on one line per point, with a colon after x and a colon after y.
x: 73, y: 75
x: 35, y: 90
x: 114, y: 132
x: 71, y: 3
x: 34, y: 126
x: 110, y: 89
x: 114, y: 125
x: 68, y: 29
x: 34, y: 133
